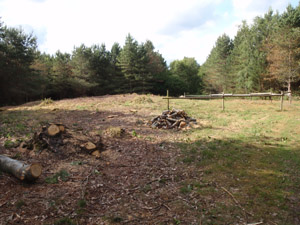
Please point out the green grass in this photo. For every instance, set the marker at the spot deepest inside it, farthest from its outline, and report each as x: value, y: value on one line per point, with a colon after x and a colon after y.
x: 64, y: 221
x: 54, y: 179
x: 81, y: 203
x: 20, y: 203
x: 265, y: 177
x: 251, y: 149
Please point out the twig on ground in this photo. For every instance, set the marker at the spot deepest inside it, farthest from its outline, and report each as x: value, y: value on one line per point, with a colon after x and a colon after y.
x: 166, y: 207
x: 236, y: 201
x: 3, y: 204
x: 85, y: 182
x: 255, y: 223
x: 157, y: 207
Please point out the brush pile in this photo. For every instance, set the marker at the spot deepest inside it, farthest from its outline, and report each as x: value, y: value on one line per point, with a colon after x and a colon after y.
x: 172, y: 119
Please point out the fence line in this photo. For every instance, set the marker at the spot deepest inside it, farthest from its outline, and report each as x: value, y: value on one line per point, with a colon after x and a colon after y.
x: 223, y: 96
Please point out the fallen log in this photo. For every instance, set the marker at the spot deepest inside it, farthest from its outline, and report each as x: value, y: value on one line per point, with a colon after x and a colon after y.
x: 20, y: 169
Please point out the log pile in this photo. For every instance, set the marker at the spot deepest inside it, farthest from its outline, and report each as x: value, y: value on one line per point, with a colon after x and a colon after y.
x: 172, y: 119
x: 58, y: 139
x: 49, y: 137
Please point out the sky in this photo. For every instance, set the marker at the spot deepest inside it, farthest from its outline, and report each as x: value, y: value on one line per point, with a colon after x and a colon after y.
x: 177, y: 28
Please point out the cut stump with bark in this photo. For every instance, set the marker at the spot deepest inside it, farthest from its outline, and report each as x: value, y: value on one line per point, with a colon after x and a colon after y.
x: 53, y: 130
x: 89, y: 146
x: 96, y: 153
x: 20, y: 169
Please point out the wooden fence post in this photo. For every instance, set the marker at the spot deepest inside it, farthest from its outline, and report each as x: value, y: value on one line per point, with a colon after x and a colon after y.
x: 281, y: 101
x: 223, y: 106
x: 168, y: 100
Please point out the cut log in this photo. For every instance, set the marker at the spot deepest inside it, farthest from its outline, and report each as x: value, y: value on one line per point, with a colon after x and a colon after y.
x: 20, y: 169
x: 172, y: 120
x: 96, y: 153
x: 53, y: 130
x: 90, y: 146
x: 61, y: 128
x: 182, y: 124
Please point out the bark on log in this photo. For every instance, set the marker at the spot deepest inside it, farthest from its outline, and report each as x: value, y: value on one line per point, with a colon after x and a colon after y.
x: 61, y: 128
x: 20, y: 169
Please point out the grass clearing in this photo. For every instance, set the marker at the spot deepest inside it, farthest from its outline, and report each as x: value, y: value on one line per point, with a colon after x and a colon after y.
x: 251, y: 150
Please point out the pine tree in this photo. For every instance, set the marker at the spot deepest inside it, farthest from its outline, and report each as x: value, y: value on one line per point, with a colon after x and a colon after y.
x: 128, y: 60
x: 186, y: 72
x: 17, y: 53
x: 283, y: 49
x: 216, y: 68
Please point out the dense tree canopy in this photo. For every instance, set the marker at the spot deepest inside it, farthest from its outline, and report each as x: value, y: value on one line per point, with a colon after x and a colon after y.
x: 263, y: 56
x: 216, y: 67
x: 17, y: 53
x: 185, y: 73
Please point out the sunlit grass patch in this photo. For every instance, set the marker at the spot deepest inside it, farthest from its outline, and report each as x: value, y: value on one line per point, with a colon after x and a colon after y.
x: 263, y: 177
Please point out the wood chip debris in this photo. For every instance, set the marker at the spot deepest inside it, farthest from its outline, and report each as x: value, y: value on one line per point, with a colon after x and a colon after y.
x: 172, y: 119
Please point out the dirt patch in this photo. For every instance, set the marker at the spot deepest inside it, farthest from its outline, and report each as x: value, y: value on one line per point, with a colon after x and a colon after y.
x: 134, y: 181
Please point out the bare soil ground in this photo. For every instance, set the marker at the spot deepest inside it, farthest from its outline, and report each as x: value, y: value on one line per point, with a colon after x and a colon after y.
x: 135, y: 180
x: 140, y: 177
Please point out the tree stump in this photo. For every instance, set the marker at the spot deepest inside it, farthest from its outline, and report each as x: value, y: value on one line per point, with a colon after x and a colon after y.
x: 89, y: 146
x: 53, y: 130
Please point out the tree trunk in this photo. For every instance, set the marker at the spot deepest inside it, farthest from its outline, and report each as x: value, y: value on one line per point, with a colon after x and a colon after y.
x: 289, y: 90
x: 290, y: 75
x: 19, y: 169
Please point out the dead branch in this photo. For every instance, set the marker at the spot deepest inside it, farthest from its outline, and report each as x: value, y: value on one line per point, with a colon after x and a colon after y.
x: 236, y: 201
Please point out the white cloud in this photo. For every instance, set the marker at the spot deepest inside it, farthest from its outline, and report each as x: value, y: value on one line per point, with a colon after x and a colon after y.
x: 177, y: 28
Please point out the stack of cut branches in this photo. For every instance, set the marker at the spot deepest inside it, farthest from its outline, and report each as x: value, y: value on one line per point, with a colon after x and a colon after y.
x: 172, y: 119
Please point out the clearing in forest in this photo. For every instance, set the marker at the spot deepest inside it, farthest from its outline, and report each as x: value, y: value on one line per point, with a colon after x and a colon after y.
x: 240, y: 166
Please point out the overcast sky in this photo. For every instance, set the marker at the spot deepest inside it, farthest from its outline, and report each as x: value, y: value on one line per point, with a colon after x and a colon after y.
x: 177, y: 28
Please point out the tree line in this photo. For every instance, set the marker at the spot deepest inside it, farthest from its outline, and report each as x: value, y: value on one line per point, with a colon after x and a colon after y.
x: 26, y: 74
x: 263, y: 56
